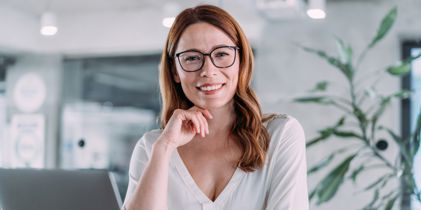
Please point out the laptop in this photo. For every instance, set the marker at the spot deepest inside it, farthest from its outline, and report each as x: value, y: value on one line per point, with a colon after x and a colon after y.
x: 35, y: 189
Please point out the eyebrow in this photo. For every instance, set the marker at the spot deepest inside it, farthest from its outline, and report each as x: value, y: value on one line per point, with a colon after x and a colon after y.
x: 214, y: 47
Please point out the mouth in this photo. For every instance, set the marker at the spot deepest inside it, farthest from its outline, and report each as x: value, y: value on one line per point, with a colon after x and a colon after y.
x: 208, y: 88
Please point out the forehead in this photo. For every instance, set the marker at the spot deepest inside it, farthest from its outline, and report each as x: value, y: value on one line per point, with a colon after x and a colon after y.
x: 203, y: 37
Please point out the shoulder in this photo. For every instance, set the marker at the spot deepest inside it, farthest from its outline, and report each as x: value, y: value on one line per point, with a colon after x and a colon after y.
x: 282, y: 122
x: 284, y: 130
x: 147, y: 140
x: 150, y: 136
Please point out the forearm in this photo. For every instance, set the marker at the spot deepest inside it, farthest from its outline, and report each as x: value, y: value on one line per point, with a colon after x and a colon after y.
x: 151, y: 192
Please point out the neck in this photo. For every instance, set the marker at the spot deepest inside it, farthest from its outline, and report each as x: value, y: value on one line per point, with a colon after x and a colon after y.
x: 219, y: 130
x: 223, y: 119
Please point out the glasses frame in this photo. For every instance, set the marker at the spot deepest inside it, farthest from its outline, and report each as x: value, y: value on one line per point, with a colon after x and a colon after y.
x: 208, y: 54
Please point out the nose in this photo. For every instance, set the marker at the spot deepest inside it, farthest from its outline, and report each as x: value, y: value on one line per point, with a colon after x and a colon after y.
x: 208, y: 68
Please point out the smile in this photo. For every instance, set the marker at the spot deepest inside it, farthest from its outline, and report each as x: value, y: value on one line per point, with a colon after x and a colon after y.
x: 210, y: 88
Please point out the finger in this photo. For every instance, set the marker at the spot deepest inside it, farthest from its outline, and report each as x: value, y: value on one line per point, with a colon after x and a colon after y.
x: 205, y: 112
x: 195, y: 121
x: 197, y: 113
x: 190, y: 126
x: 208, y: 114
x: 200, y: 117
x: 205, y: 115
x: 206, y: 124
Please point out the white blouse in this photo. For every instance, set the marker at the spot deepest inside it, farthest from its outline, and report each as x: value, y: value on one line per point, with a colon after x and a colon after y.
x: 281, y: 184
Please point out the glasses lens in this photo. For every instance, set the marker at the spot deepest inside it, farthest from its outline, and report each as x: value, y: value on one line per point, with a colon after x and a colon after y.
x: 191, y: 61
x: 223, y: 57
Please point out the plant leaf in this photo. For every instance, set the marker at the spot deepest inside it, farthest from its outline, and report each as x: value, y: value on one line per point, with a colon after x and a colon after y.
x: 401, y: 143
x: 314, y: 99
x: 356, y: 172
x: 326, y: 133
x: 385, y: 101
x: 321, y: 164
x: 415, y: 144
x: 373, y: 200
x: 390, y: 203
x: 331, y: 183
x: 344, y: 51
x: 346, y: 69
x: 403, y: 67
x: 403, y: 94
x: 347, y: 134
x: 312, y: 194
x: 362, y: 118
x: 320, y: 86
x: 381, y: 181
x: 385, y: 26
x: 399, y: 70
x: 340, y: 122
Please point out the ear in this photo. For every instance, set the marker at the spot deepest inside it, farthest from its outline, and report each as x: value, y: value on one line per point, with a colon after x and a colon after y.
x: 176, y: 77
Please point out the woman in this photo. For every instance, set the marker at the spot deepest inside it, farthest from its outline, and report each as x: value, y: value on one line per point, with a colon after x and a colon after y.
x: 215, y: 150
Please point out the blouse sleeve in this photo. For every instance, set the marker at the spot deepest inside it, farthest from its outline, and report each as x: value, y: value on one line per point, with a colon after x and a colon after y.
x: 288, y: 182
x: 138, y: 162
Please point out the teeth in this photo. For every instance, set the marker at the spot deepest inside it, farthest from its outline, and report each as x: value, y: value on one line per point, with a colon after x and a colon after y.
x: 209, y: 88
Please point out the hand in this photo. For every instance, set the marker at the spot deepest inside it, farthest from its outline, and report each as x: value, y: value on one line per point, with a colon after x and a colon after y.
x: 184, y: 125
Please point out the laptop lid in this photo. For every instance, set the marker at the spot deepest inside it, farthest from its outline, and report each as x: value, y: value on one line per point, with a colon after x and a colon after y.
x: 33, y: 189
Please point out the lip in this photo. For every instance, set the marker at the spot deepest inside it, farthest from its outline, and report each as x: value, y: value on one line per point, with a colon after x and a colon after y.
x: 210, y: 84
x: 210, y: 92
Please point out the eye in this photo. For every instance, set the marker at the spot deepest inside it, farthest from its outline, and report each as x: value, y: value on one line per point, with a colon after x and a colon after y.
x: 221, y: 54
x: 191, y: 58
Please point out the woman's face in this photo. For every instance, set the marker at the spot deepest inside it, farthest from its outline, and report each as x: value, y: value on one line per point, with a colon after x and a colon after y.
x: 210, y: 87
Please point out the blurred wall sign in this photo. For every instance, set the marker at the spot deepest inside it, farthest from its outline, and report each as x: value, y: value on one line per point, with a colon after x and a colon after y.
x: 29, y: 93
x: 27, y: 135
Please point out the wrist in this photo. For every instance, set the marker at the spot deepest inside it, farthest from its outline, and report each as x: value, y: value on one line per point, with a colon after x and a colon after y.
x: 163, y: 147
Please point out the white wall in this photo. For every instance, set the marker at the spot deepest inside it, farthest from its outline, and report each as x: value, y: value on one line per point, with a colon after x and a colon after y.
x: 17, y: 30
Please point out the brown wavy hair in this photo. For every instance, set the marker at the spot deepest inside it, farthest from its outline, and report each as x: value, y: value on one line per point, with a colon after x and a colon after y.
x: 248, y: 125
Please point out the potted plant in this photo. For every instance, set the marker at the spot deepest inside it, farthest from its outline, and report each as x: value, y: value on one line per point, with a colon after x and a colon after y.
x: 362, y: 123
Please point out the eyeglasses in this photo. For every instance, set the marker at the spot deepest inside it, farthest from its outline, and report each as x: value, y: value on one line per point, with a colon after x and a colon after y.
x: 221, y: 57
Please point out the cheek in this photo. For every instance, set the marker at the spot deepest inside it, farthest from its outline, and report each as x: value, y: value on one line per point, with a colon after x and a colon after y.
x: 235, y: 82
x: 186, y: 80
x: 234, y: 76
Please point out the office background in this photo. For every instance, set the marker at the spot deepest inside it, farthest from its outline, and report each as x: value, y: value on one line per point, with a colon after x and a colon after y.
x: 83, y: 97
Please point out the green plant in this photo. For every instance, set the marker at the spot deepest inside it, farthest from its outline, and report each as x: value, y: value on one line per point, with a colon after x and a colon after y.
x: 360, y: 120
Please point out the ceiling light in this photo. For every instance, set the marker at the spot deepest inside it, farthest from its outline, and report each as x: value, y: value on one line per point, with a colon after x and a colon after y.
x: 316, y: 9
x: 168, y: 21
x: 48, y: 24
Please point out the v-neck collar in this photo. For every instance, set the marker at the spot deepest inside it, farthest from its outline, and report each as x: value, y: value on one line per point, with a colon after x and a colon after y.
x: 197, y: 192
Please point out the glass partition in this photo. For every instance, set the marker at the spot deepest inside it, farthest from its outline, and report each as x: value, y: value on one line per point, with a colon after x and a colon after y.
x: 108, y: 103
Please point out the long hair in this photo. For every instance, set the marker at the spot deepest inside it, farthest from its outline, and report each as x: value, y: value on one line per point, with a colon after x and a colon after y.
x: 248, y: 125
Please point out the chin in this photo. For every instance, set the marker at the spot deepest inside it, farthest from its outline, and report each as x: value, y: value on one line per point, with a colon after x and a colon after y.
x: 213, y: 104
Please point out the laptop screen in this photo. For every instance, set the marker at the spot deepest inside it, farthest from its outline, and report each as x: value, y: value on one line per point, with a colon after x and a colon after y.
x: 24, y: 189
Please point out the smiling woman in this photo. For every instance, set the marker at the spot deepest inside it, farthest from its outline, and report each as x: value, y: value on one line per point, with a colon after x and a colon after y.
x: 215, y: 149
